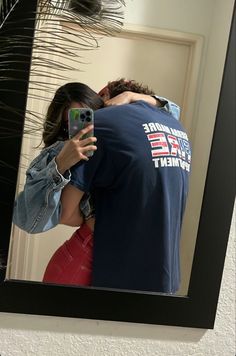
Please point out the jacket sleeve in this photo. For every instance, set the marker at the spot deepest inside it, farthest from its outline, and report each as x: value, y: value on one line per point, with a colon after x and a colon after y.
x: 37, y: 207
x: 169, y: 106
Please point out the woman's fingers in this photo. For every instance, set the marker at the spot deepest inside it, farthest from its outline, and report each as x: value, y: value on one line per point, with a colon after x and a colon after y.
x: 85, y: 149
x: 78, y: 138
x: 76, y: 148
x: 83, y: 132
x: 87, y: 141
x: 82, y: 142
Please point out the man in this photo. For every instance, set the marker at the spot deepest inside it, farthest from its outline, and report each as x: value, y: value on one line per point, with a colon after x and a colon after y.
x: 138, y: 178
x: 43, y: 186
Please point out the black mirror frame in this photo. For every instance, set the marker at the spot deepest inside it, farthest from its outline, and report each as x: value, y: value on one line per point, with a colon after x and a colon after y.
x: 198, y: 308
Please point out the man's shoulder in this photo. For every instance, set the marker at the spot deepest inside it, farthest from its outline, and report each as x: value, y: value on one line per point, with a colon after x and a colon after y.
x: 107, y: 117
x: 140, y: 112
x: 113, y: 111
x: 110, y: 110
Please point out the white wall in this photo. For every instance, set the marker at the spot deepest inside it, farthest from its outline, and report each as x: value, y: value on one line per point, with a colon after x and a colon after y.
x: 188, y: 16
x: 34, y: 335
x: 22, y: 335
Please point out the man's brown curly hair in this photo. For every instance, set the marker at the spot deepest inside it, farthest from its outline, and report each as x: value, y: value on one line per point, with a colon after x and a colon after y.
x: 119, y: 86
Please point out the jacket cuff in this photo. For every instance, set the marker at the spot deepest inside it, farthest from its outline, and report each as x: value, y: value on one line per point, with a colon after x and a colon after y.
x: 59, y: 180
x: 169, y: 106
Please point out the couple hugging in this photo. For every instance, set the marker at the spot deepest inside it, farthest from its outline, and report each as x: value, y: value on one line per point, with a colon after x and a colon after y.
x: 128, y: 212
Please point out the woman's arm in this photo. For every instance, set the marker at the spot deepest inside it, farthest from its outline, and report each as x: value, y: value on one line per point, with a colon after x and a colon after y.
x: 128, y: 97
x: 70, y: 200
x: 37, y: 208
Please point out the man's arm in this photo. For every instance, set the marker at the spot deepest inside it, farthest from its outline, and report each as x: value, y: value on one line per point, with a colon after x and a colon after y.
x: 70, y: 211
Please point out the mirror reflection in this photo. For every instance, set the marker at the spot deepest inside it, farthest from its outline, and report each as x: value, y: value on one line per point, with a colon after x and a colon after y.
x: 136, y: 179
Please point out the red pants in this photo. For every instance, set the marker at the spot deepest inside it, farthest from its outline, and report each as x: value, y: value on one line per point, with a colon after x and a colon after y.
x: 72, y: 262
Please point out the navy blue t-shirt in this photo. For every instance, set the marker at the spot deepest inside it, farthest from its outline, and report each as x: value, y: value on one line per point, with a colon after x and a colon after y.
x: 139, y: 181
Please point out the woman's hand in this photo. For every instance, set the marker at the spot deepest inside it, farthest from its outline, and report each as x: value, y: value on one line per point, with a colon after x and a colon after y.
x: 128, y: 97
x: 75, y: 150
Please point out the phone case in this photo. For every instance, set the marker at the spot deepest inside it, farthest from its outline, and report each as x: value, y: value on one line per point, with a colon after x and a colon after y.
x: 79, y: 118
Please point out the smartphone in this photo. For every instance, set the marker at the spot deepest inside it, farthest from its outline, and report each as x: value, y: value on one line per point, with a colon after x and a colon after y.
x: 79, y: 118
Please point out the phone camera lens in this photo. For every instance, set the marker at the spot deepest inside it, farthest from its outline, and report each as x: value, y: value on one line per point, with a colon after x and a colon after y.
x: 88, y: 119
x: 82, y: 116
x: 88, y: 113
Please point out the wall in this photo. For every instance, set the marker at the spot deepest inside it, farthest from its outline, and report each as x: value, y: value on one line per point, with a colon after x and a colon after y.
x: 188, y: 16
x: 33, y: 335
x: 22, y: 335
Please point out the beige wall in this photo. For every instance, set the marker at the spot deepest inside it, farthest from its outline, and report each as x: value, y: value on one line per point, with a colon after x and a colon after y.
x: 33, y: 335
x: 105, y: 64
x: 188, y: 16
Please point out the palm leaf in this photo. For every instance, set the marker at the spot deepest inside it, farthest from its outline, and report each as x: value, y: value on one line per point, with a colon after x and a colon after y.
x: 6, y: 7
x: 55, y: 46
x: 56, y: 42
x: 62, y: 28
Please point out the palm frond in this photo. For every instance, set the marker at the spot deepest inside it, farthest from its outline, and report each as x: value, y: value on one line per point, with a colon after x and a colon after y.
x: 63, y: 27
x: 6, y: 8
x: 64, y: 30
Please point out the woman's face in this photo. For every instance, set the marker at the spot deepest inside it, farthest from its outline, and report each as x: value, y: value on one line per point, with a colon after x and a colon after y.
x: 65, y: 118
x: 73, y: 105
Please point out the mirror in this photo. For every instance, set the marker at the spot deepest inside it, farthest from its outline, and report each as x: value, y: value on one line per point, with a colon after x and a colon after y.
x: 200, y: 68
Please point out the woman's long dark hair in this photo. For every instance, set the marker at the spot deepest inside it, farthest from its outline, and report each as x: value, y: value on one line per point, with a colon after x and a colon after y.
x: 55, y: 127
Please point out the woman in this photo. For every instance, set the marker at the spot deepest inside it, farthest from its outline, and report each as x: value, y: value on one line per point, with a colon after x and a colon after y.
x: 54, y: 162
x: 37, y: 207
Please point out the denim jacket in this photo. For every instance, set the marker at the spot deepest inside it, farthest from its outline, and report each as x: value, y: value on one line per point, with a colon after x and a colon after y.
x: 37, y: 208
x: 169, y: 106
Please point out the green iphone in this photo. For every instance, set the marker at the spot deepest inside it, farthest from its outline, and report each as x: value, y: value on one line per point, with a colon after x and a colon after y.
x: 79, y: 118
